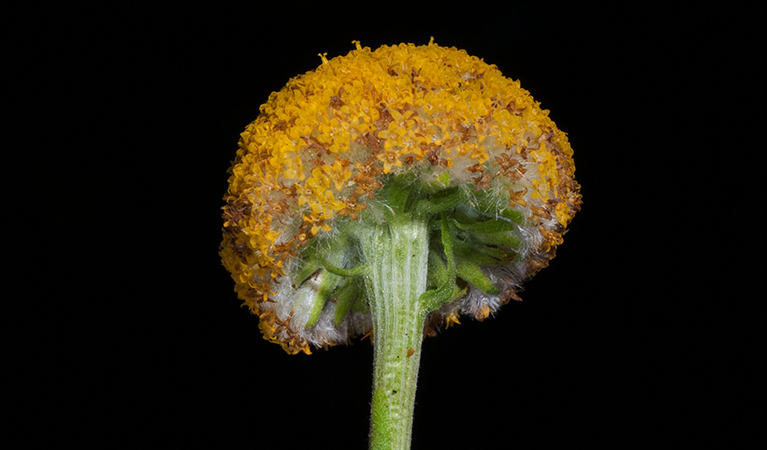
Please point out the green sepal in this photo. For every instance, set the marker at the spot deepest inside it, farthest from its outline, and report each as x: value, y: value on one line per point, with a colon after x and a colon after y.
x: 515, y: 216
x: 433, y: 299
x: 440, y: 201
x: 502, y: 239
x: 447, y: 244
x: 479, y: 254
x: 309, y: 269
x: 327, y: 285
x: 441, y: 182
x: 345, y: 296
x: 353, y: 272
x: 437, y: 275
x: 446, y: 273
x: 396, y: 195
x: 362, y: 305
x: 487, y: 201
x: 472, y: 274
x: 457, y: 293
x: 487, y: 226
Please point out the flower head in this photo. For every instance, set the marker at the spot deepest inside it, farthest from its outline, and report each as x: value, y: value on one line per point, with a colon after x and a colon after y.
x: 322, y: 151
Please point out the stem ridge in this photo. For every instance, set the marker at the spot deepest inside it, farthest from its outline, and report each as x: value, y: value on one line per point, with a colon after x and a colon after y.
x: 396, y: 254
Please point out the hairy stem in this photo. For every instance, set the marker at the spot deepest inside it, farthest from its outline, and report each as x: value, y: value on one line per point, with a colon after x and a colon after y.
x: 396, y: 253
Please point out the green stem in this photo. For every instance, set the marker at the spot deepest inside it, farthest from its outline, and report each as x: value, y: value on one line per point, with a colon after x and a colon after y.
x: 396, y: 254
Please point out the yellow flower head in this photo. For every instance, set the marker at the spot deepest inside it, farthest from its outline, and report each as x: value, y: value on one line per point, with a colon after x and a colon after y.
x: 324, y: 145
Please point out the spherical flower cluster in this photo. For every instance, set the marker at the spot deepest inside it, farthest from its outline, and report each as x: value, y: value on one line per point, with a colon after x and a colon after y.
x: 323, y: 149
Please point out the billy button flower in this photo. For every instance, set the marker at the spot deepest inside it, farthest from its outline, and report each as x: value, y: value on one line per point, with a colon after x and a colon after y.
x: 387, y: 193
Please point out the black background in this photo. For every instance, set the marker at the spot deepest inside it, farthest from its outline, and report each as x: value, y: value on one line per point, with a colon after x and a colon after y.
x: 646, y: 328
